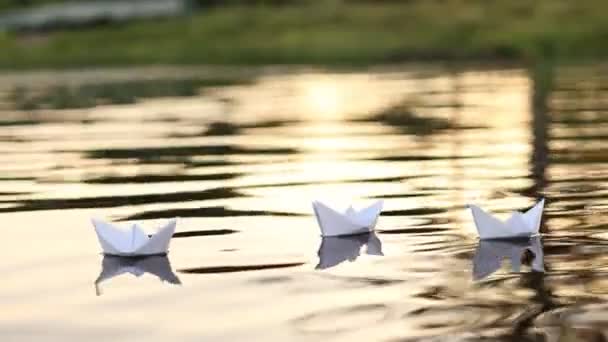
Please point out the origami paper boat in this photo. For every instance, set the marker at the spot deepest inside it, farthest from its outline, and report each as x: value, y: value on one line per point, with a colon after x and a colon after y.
x: 490, y: 254
x: 133, y: 241
x: 336, y: 249
x: 349, y: 222
x: 518, y: 225
x: 114, y: 266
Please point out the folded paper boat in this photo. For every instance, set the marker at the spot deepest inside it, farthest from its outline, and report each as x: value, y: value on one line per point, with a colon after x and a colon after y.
x: 518, y: 225
x: 114, y: 266
x: 490, y: 254
x: 133, y: 241
x: 336, y: 249
x: 349, y: 222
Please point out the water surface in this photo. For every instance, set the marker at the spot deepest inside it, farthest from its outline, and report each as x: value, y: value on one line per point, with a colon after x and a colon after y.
x: 240, y: 165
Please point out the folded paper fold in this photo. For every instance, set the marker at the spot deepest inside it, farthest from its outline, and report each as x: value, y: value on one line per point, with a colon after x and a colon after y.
x: 336, y: 249
x: 518, y: 225
x: 133, y: 241
x: 490, y: 254
x: 114, y: 266
x: 349, y: 222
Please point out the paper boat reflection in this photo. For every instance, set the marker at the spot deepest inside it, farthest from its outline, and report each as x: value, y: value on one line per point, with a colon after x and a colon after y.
x: 114, y: 266
x: 490, y: 254
x: 336, y: 249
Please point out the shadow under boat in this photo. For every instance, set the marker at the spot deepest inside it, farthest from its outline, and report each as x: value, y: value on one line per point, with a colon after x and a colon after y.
x: 334, y: 250
x: 490, y: 254
x: 114, y: 266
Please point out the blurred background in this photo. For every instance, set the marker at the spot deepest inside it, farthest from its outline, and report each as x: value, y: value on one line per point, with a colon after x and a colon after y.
x: 49, y: 33
x: 234, y: 115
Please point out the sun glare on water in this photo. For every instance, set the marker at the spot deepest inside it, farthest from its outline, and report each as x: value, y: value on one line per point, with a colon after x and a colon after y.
x: 324, y: 98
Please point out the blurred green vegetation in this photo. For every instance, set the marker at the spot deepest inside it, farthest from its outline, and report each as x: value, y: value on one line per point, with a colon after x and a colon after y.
x: 330, y: 33
x: 20, y: 4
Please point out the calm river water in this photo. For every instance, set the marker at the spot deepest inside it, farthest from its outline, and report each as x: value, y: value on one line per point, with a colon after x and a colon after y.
x: 240, y: 165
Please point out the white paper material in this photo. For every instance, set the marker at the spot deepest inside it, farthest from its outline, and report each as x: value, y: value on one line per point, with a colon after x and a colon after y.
x: 349, y: 222
x: 518, y: 225
x: 490, y: 254
x: 336, y: 249
x: 114, y: 266
x: 133, y: 241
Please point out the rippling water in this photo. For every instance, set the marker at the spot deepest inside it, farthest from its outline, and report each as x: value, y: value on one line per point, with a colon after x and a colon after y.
x: 241, y: 164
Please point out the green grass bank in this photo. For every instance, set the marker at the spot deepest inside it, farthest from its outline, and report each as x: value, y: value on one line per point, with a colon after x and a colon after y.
x: 330, y: 33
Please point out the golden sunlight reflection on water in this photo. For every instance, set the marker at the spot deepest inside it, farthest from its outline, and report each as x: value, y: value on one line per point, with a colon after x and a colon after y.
x: 240, y: 165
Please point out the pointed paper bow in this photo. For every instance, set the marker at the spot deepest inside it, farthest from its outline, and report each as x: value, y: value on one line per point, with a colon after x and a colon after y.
x: 133, y: 241
x: 518, y: 225
x: 350, y: 222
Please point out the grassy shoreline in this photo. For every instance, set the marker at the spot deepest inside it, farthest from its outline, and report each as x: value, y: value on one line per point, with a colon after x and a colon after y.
x: 316, y: 34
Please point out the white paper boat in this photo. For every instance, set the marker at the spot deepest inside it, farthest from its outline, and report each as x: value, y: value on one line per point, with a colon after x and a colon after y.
x: 158, y: 265
x: 490, y: 254
x: 336, y: 249
x: 349, y: 222
x: 518, y: 225
x: 133, y: 241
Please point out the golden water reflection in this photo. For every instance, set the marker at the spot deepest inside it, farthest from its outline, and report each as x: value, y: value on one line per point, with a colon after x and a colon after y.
x: 240, y: 164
